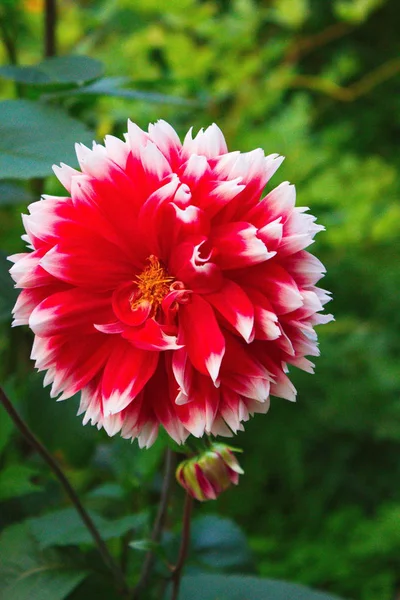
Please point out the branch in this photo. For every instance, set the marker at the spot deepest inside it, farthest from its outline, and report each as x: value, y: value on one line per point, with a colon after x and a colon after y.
x: 177, y: 570
x: 306, y: 45
x: 158, y: 523
x: 9, y: 43
x: 69, y: 490
x: 352, y: 92
x: 50, y: 24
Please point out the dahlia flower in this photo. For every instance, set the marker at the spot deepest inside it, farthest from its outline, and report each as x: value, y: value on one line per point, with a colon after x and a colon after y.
x: 204, y: 477
x: 164, y: 289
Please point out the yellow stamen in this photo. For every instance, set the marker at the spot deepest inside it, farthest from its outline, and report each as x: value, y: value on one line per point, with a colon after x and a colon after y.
x: 153, y: 285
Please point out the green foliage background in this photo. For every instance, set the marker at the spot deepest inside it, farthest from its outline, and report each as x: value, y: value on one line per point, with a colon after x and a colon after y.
x: 314, y: 80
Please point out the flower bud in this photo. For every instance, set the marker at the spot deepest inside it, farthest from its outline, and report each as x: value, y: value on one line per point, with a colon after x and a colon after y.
x: 207, y: 475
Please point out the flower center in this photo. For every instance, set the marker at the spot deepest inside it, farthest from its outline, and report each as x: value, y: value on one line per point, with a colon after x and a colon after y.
x: 153, y: 284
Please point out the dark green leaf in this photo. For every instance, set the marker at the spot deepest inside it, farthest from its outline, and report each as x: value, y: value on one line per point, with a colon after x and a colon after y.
x: 40, y: 410
x: 8, y: 294
x: 65, y: 527
x: 229, y: 587
x: 110, y: 490
x: 26, y: 573
x: 16, y: 480
x: 131, y: 465
x: 34, y: 136
x: 219, y: 544
x: 56, y: 70
x: 12, y: 193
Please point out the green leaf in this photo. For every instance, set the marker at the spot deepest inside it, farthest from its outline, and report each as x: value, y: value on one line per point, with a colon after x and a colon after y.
x: 114, y: 86
x: 65, y: 527
x: 34, y: 136
x: 12, y: 193
x: 26, y: 573
x: 219, y: 544
x: 57, y: 70
x: 149, y: 546
x: 232, y: 587
x: 356, y: 11
x: 8, y: 294
x: 144, y: 545
x: 16, y: 480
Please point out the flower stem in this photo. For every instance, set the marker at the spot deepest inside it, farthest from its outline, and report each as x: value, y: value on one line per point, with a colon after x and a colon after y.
x: 69, y: 490
x: 158, y: 523
x: 177, y: 571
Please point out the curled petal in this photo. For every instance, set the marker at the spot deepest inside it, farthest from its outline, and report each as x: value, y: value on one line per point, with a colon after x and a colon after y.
x: 238, y: 246
x: 151, y: 336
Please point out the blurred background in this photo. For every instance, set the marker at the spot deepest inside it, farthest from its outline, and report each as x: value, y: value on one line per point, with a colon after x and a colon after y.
x: 319, y: 82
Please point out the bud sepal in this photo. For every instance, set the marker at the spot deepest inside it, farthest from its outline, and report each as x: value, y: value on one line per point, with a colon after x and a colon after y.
x: 208, y: 474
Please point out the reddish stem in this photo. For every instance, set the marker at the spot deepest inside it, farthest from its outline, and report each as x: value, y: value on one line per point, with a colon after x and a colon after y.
x: 183, y: 551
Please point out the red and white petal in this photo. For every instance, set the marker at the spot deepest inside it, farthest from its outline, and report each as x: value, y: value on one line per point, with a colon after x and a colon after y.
x: 276, y: 284
x: 209, y: 143
x: 77, y: 366
x: 151, y: 336
x: 183, y: 372
x: 199, y: 413
x: 99, y: 267
x: 271, y: 234
x: 28, y: 271
x: 304, y: 267
x: 190, y: 263
x: 237, y: 246
x: 202, y: 336
x: 166, y: 140
x: 117, y: 150
x: 279, y: 203
x: 236, y: 307
x: 265, y: 320
x: 29, y: 299
x: 158, y: 389
x: 65, y: 175
x: 73, y: 310
x: 126, y: 373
